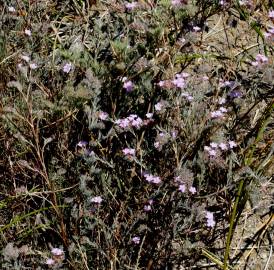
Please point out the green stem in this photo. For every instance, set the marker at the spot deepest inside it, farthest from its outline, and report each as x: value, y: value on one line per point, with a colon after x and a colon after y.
x: 232, y: 224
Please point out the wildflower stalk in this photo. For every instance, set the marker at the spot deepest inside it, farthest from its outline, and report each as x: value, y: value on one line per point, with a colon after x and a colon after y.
x: 232, y: 223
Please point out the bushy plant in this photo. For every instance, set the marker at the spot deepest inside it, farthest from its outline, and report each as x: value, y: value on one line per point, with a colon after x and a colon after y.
x: 135, y: 135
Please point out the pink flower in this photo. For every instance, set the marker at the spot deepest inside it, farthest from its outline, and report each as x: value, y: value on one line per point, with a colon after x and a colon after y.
x: 223, y: 146
x: 67, y: 67
x: 129, y: 152
x: 50, y: 261
x: 182, y: 188
x: 57, y: 252
x: 232, y: 144
x: 128, y: 85
x: 131, y: 6
x: 222, y: 101
x: 136, y: 240
x: 178, y: 3
x: 25, y: 58
x: 149, y: 115
x: 217, y: 114
x: 210, y: 219
x: 196, y: 28
x: 158, y: 106
x: 260, y: 60
x: 103, y: 115
x: 33, y: 66
x: 152, y: 179
x: 11, y: 9
x: 28, y: 32
x: 97, y: 199
x: 147, y: 208
x: 213, y: 145
x: 82, y: 144
x: 192, y: 190
x: 271, y: 14
x: 212, y: 153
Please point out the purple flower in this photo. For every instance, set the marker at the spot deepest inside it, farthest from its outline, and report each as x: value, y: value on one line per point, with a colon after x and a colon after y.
x: 67, y: 67
x: 192, y: 190
x: 82, y: 144
x: 271, y: 14
x: 210, y: 219
x: 129, y: 152
x: 223, y: 146
x: 182, y: 188
x: 232, y: 144
x: 158, y: 106
x: 103, y: 115
x: 97, y: 199
x: 152, y: 179
x: 131, y: 6
x: 136, y: 240
x: 57, y: 252
x: 50, y: 261
x: 147, y: 208
x: 28, y: 32
x: 235, y: 94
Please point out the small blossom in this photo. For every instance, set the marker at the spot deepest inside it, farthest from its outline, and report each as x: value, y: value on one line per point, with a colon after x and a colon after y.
x: 128, y: 151
x: 25, y: 58
x: 147, y: 208
x: 182, y: 188
x: 131, y: 6
x: 232, y: 144
x: 205, y: 78
x: 178, y: 3
x: 196, y: 28
x: 28, y: 32
x: 210, y: 219
x: 152, y: 179
x: 223, y: 146
x: 149, y: 115
x: 128, y: 85
x: 11, y: 9
x: 271, y: 14
x: 136, y: 240
x: 158, y: 106
x: 67, y: 67
x: 103, y: 116
x: 33, y: 66
x: 97, y: 199
x: 216, y: 114
x: 157, y: 145
x: 192, y: 190
x: 82, y: 144
x: 213, y: 145
x: 57, y: 252
x: 222, y: 101
x: 50, y: 261
x: 212, y: 153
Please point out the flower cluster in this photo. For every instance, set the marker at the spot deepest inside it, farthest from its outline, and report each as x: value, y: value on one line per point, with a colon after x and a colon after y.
x: 269, y: 35
x: 210, y: 219
x: 178, y: 82
x: 178, y: 3
x: 261, y: 60
x: 129, y: 152
x: 26, y: 58
x: 67, y: 67
x: 57, y: 257
x: 183, y: 187
x: 152, y: 179
x: 218, y: 113
x: 132, y: 120
x: 127, y: 84
x: 97, y: 199
x: 214, y: 147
